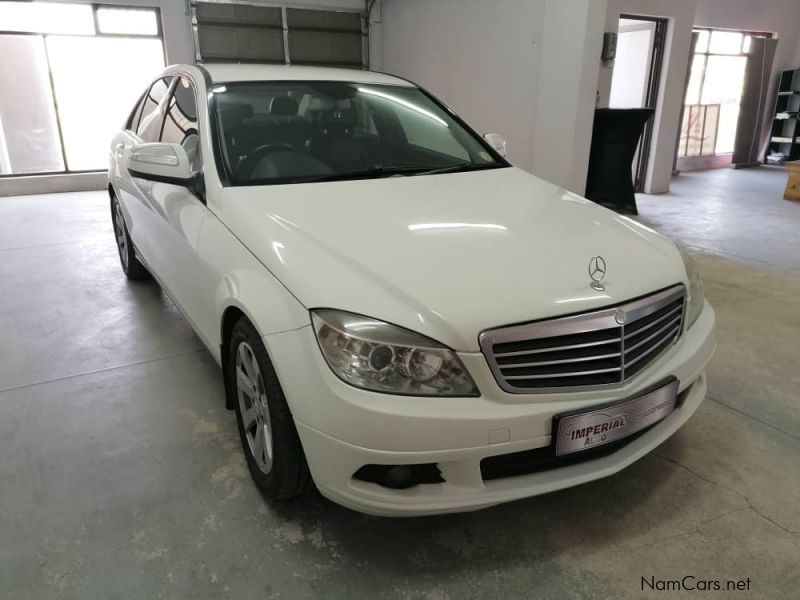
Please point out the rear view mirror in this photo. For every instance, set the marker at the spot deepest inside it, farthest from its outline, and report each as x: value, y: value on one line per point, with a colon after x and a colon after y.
x: 497, y: 142
x: 166, y: 163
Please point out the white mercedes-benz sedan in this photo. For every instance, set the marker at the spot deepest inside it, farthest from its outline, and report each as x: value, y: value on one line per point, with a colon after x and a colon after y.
x: 401, y: 317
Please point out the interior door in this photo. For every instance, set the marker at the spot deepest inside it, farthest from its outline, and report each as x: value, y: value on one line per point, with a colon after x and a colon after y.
x: 749, y: 138
x: 636, y: 78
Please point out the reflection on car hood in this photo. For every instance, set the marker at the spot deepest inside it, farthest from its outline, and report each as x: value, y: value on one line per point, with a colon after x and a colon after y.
x: 447, y: 255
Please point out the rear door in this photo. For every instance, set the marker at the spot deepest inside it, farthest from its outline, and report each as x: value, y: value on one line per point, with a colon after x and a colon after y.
x: 144, y: 125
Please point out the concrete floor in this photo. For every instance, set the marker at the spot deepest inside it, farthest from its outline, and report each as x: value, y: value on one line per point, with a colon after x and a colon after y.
x: 122, y: 476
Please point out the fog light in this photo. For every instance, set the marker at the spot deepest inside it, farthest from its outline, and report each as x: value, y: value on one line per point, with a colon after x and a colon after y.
x: 399, y: 477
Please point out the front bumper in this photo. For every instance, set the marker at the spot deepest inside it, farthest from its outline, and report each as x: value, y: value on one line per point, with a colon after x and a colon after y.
x: 343, y: 428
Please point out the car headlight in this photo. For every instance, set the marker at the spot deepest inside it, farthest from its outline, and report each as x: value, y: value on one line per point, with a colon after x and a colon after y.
x: 696, y: 299
x: 377, y: 356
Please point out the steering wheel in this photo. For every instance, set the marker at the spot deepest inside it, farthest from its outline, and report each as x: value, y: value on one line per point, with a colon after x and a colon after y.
x: 256, y: 156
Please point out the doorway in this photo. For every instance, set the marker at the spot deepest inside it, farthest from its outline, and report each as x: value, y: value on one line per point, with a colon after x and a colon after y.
x: 636, y: 76
x: 713, y: 97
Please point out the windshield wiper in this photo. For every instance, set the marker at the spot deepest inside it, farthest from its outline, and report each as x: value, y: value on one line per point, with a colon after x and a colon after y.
x: 378, y: 170
x: 374, y: 171
x: 460, y: 167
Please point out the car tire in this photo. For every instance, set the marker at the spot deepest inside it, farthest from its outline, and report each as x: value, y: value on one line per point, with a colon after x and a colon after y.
x: 131, y: 266
x: 276, y: 461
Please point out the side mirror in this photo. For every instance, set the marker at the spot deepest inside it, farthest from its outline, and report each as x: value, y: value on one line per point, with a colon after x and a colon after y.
x: 497, y: 142
x: 165, y: 163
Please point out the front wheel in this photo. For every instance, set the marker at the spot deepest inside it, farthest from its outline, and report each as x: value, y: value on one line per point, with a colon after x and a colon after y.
x: 131, y: 266
x: 269, y: 437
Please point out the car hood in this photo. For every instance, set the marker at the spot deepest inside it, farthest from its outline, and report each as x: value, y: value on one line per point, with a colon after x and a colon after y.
x: 447, y: 255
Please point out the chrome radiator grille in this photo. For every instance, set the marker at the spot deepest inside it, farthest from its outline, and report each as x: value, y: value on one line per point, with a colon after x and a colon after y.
x: 602, y: 348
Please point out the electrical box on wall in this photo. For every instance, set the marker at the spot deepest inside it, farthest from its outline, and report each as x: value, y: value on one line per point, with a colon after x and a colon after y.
x: 609, y: 45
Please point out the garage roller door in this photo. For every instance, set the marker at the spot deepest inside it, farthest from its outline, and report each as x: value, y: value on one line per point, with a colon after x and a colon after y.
x: 242, y: 32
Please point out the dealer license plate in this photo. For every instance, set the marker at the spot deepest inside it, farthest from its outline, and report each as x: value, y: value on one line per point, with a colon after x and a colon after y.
x: 599, y: 426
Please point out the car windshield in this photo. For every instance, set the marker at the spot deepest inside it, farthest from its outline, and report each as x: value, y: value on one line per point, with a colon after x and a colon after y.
x: 301, y: 131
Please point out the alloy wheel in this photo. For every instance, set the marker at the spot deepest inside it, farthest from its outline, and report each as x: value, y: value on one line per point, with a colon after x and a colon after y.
x: 119, y: 232
x: 253, y: 407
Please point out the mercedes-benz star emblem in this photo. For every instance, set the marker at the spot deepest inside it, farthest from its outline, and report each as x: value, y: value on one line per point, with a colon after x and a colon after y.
x: 597, y: 270
x: 620, y: 316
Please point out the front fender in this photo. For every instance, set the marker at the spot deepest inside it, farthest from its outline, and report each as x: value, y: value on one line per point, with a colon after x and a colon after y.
x: 262, y: 299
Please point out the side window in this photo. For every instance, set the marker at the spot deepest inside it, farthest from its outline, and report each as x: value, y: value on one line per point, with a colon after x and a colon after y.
x: 150, y: 122
x: 180, y: 124
x: 133, y: 119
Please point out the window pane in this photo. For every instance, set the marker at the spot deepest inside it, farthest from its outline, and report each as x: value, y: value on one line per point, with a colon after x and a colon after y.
x: 180, y: 124
x: 695, y: 79
x: 127, y: 20
x: 725, y: 42
x: 426, y: 132
x: 96, y: 82
x: 150, y: 121
x: 29, y: 140
x: 133, y: 119
x: 46, y: 17
x: 694, y: 130
x: 746, y: 46
x: 702, y: 40
x: 723, y: 85
x: 280, y: 131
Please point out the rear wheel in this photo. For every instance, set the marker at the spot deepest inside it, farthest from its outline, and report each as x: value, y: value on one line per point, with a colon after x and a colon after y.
x: 131, y: 266
x: 269, y: 437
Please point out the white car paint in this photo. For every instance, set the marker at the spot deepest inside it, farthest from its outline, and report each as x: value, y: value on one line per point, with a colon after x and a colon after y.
x: 447, y: 256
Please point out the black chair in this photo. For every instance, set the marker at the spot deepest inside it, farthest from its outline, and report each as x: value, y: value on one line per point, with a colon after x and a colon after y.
x: 615, y: 136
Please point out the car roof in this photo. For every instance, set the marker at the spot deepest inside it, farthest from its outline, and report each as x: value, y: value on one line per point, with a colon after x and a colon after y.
x: 230, y: 72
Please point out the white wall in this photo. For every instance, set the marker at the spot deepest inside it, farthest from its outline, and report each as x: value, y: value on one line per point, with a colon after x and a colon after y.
x: 481, y: 60
x: 796, y: 62
x: 526, y: 69
x: 572, y: 42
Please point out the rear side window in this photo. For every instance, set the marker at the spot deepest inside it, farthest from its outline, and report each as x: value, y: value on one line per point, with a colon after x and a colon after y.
x: 149, y: 126
x: 180, y: 123
x: 133, y: 119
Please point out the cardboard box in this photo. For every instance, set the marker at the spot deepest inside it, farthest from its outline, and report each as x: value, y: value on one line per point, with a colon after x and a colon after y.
x: 793, y: 185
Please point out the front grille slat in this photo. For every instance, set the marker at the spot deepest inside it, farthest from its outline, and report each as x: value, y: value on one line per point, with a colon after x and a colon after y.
x: 557, y: 348
x: 630, y: 332
x: 593, y: 350
x: 542, y: 363
x: 657, y: 334
x: 650, y: 350
x: 566, y: 374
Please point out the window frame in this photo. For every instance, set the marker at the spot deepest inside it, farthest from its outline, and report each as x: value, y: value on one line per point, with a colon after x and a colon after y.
x: 95, y: 6
x: 706, y: 53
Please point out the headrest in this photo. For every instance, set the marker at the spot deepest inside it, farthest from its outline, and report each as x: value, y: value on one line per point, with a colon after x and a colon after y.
x: 283, y: 106
x: 234, y: 114
x: 336, y: 116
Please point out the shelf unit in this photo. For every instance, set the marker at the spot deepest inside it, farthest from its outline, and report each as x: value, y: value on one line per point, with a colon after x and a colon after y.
x: 785, y: 134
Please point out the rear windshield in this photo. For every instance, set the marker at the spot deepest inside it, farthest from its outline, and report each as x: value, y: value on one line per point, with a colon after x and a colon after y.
x: 296, y: 131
